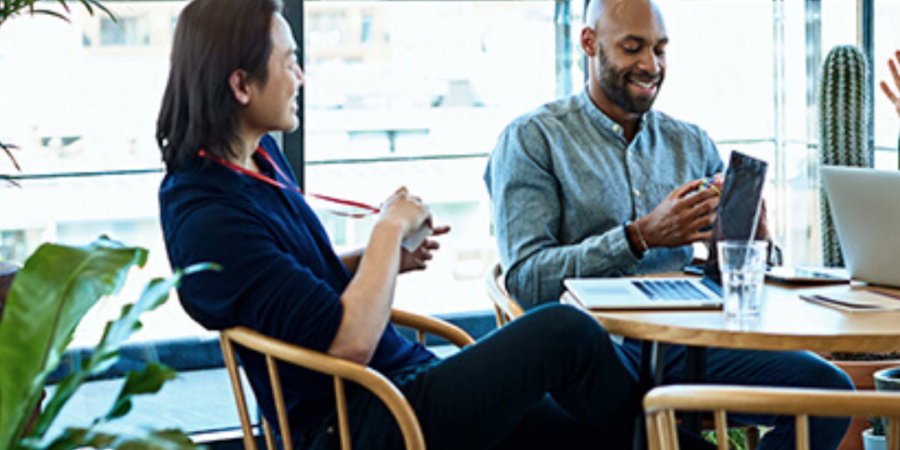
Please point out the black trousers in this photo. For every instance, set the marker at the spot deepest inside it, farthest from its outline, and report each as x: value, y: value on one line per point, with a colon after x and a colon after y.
x: 551, y: 379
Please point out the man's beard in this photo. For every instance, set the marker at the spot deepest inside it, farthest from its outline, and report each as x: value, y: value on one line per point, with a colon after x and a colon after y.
x: 614, y: 82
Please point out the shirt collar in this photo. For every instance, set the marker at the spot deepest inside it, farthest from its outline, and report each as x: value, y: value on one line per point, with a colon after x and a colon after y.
x: 604, y: 122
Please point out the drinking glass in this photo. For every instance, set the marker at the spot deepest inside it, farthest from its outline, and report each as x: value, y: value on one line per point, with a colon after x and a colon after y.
x: 743, y: 268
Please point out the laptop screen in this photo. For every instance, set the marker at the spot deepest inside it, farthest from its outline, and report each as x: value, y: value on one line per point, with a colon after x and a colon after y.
x: 738, y: 211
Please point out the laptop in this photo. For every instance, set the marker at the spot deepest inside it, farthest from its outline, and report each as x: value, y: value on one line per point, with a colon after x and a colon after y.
x: 645, y: 293
x: 866, y: 210
x: 736, y: 219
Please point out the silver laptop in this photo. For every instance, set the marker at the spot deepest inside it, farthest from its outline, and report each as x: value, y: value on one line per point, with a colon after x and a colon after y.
x: 865, y: 205
x: 645, y: 293
x: 737, y: 215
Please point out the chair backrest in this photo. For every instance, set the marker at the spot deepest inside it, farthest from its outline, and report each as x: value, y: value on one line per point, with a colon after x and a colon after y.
x: 661, y: 403
x: 340, y: 370
x: 506, y: 308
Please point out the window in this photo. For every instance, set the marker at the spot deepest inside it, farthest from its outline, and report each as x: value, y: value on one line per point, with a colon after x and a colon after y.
x: 81, y: 102
x: 411, y: 93
x: 131, y: 31
x: 408, y: 93
x: 415, y: 94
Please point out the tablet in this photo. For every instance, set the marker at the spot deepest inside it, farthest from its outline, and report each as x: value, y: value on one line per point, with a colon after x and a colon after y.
x: 739, y: 207
x: 807, y: 275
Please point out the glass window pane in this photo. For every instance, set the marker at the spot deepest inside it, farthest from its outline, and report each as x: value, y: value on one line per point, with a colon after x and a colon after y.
x: 86, y: 94
x: 887, y: 41
x: 719, y: 72
x: 85, y: 97
x: 415, y: 94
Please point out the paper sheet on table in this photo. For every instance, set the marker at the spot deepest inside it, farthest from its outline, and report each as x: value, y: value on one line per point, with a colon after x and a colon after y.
x: 855, y: 300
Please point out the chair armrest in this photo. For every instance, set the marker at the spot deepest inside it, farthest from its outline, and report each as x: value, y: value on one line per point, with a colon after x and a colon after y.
x: 452, y: 333
x: 320, y: 362
x: 771, y: 400
x: 496, y: 289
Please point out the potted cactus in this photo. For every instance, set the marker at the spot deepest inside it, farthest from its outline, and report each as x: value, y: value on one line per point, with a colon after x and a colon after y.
x: 885, y: 380
x: 843, y: 129
x: 873, y: 438
x: 861, y: 367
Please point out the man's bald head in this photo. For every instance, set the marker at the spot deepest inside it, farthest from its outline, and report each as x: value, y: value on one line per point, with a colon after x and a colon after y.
x: 625, y: 42
x: 615, y: 10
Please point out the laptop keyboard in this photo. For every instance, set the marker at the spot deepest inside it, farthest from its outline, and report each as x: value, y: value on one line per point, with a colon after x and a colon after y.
x: 670, y: 290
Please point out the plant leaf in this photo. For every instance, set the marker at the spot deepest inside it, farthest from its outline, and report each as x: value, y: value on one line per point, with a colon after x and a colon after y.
x: 74, y: 438
x: 49, y: 296
x: 148, y: 381
x: 105, y: 10
x: 11, y: 8
x: 107, y: 351
x: 65, y: 6
x: 50, y: 13
x: 155, y: 294
x: 6, y: 149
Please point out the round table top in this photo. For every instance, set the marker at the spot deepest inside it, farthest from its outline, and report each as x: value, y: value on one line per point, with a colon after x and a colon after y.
x: 786, y: 322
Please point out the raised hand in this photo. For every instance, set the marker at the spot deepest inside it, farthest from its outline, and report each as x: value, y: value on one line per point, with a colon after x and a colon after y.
x: 405, y: 210
x: 891, y: 95
x: 678, y: 219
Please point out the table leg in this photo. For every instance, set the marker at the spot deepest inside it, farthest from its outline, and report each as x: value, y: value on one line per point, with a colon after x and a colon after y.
x: 649, y: 349
x: 694, y: 368
x: 659, y: 362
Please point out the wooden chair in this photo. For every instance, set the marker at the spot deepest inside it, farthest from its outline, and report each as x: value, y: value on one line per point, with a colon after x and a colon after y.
x: 661, y: 403
x: 339, y: 369
x: 506, y: 308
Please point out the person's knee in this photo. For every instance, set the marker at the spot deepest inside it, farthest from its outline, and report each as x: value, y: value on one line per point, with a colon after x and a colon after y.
x: 819, y: 373
x: 838, y: 379
x: 569, y: 325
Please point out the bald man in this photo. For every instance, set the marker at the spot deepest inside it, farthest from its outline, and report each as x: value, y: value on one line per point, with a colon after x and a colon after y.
x: 598, y: 184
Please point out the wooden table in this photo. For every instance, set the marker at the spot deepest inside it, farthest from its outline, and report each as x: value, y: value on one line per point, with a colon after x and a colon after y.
x: 786, y: 322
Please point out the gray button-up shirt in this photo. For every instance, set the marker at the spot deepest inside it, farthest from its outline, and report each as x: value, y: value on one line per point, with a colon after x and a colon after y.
x: 563, y: 181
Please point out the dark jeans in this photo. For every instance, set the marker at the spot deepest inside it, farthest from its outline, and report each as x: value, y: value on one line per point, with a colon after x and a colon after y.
x: 763, y: 368
x: 551, y: 379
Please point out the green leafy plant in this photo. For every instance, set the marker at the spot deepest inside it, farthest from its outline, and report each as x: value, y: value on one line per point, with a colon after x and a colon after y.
x: 877, y: 426
x: 12, y: 8
x: 55, y: 288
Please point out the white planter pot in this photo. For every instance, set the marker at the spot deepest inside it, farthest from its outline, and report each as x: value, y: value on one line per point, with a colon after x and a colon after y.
x: 872, y: 442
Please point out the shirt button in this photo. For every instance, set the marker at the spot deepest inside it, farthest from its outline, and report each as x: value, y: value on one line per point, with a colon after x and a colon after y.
x: 637, y: 193
x: 617, y: 128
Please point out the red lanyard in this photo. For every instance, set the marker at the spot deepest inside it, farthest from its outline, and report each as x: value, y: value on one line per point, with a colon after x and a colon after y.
x: 370, y: 210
